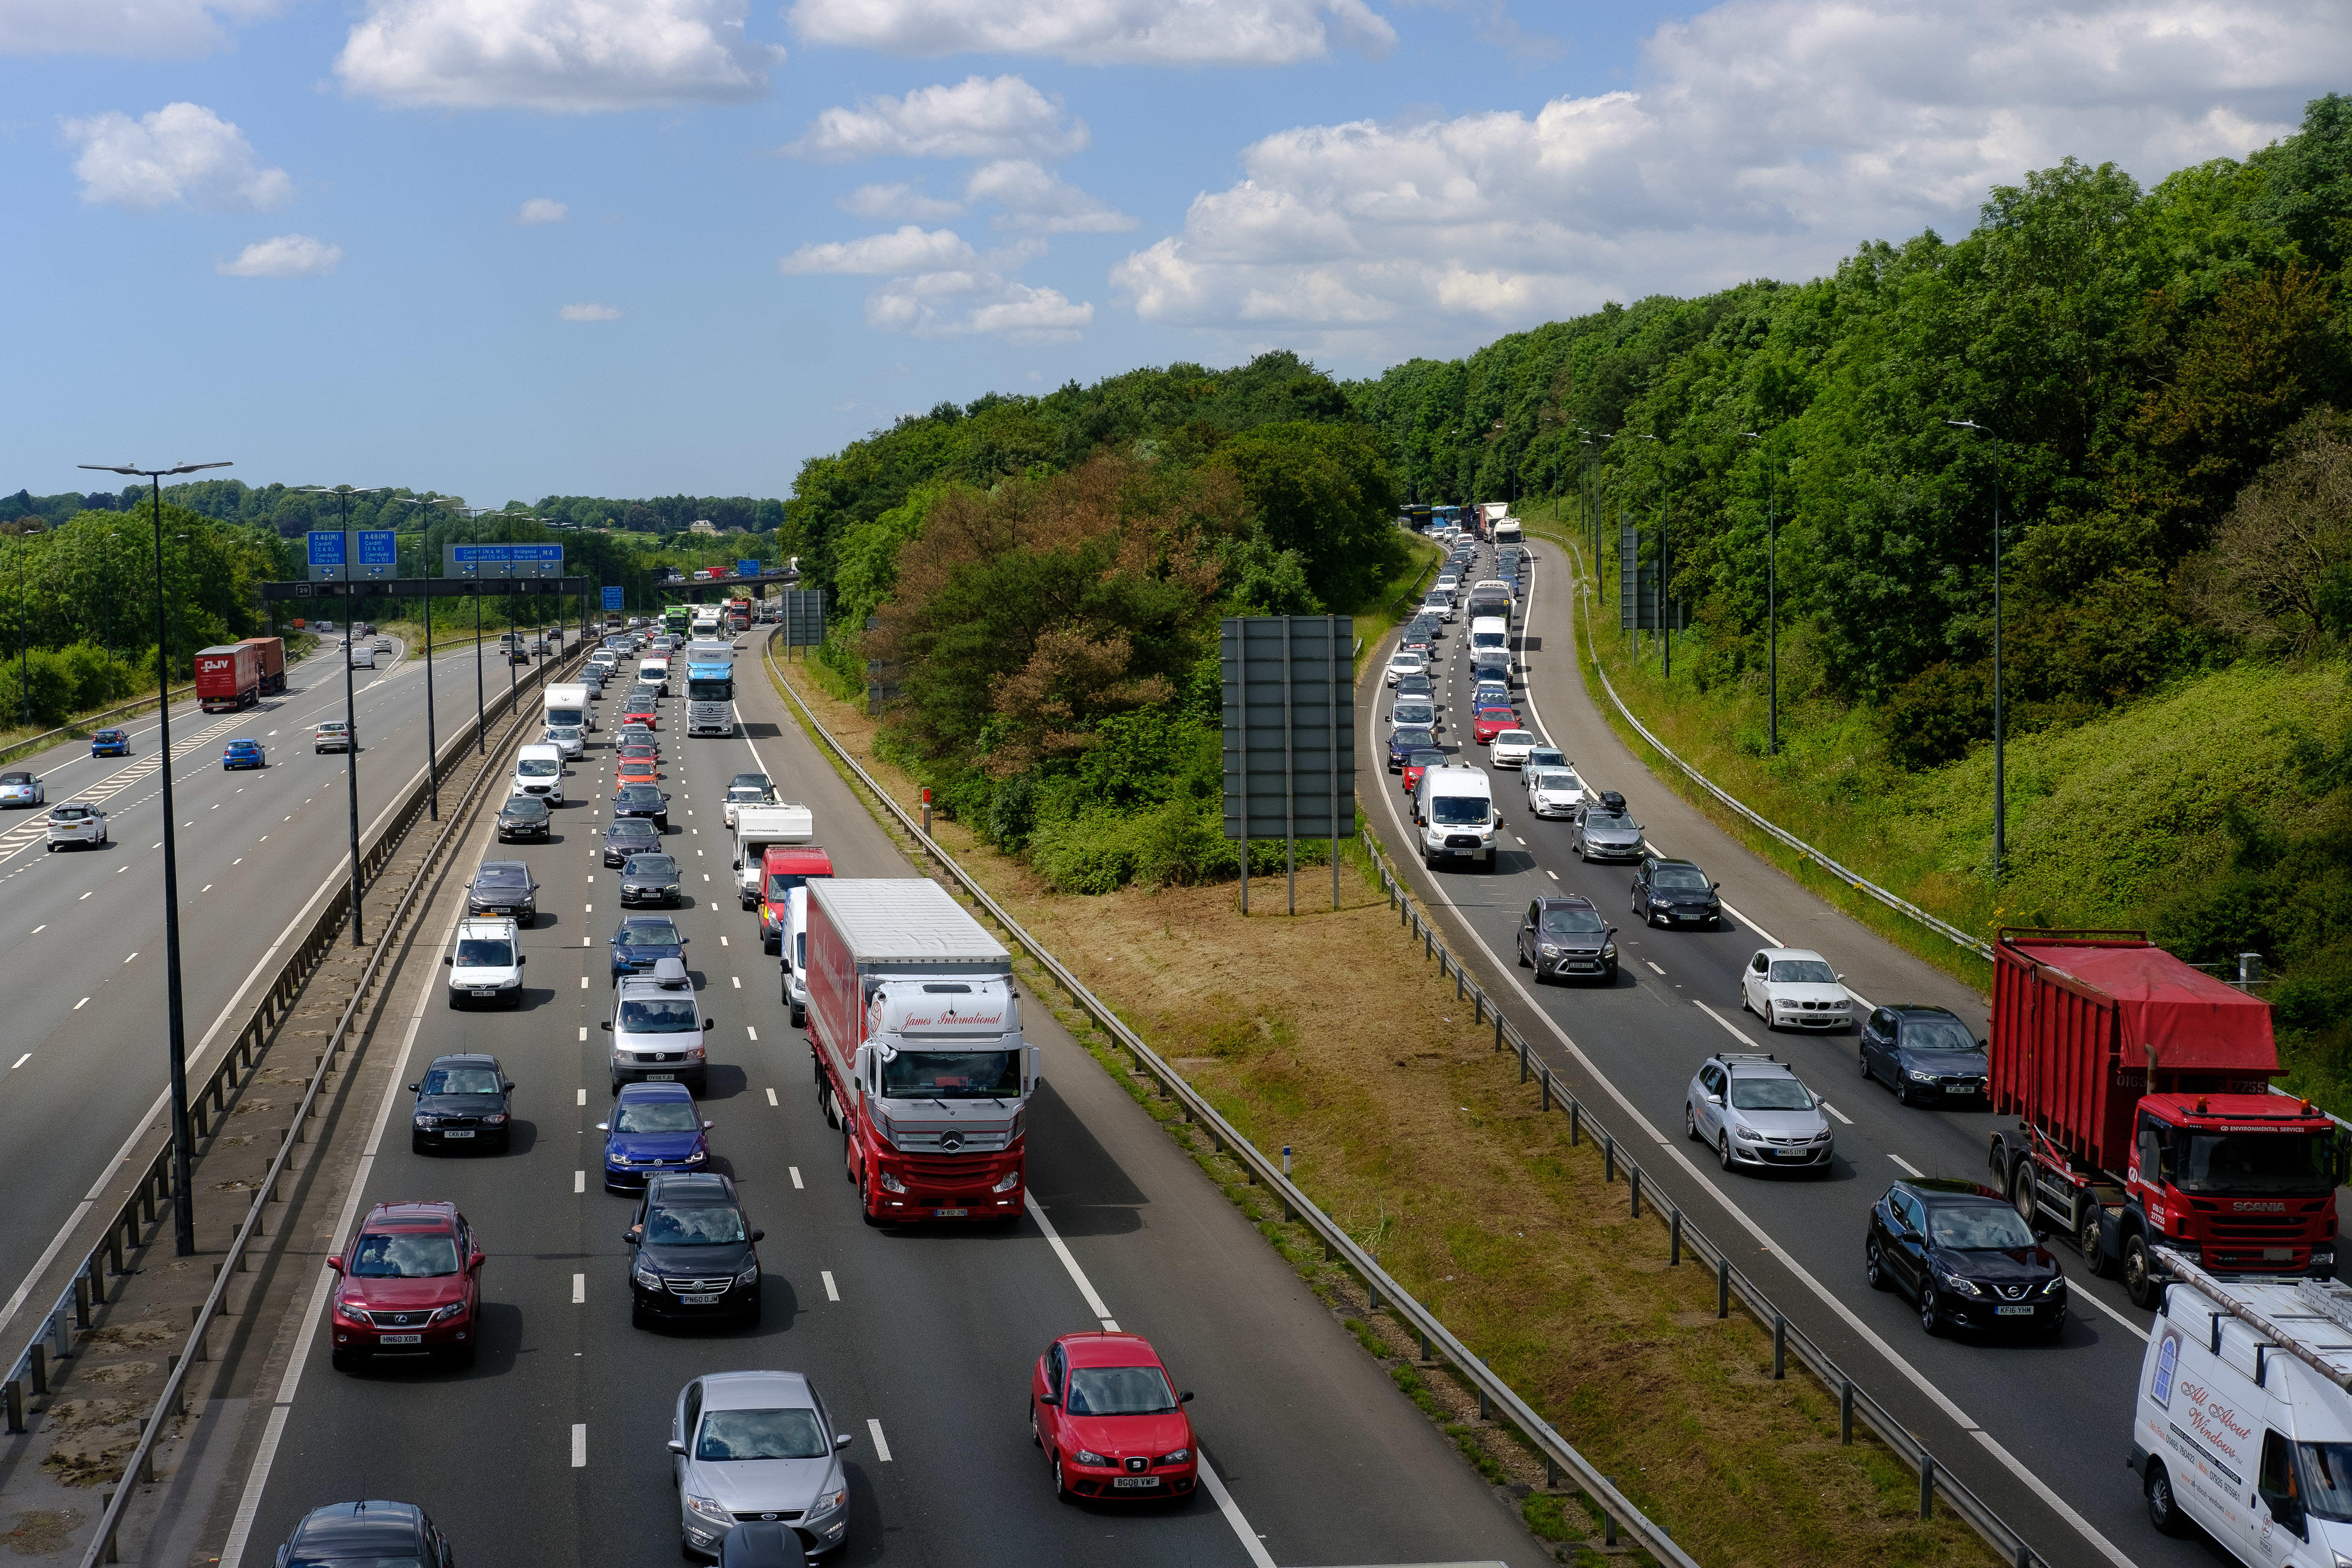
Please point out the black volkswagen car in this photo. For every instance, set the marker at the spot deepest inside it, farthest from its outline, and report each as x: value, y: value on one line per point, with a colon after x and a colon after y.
x: 1565, y: 937
x: 374, y: 1533
x: 1960, y: 1250
x: 524, y: 816
x: 503, y: 888
x: 644, y: 800
x: 1676, y: 893
x: 693, y: 1253
x: 630, y: 836
x: 1926, y: 1055
x: 461, y: 1103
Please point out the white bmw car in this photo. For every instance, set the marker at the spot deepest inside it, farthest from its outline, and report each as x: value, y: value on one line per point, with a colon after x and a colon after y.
x: 1795, y: 988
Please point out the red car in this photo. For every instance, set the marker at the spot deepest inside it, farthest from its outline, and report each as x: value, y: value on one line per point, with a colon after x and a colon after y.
x: 1111, y: 1419
x: 410, y: 1285
x: 1417, y: 761
x: 637, y: 711
x: 1490, y: 722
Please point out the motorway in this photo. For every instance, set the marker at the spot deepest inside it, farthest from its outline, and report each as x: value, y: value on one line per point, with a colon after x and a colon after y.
x: 86, y: 1040
x: 551, y: 1449
x: 2050, y: 1423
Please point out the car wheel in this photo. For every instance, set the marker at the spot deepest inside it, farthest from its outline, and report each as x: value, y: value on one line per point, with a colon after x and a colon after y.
x: 416, y: 1142
x: 1873, y: 1267
x: 1931, y: 1316
x: 865, y: 1205
x: 1036, y: 1440
x: 1062, y: 1492
x: 1723, y: 1151
x: 1525, y: 962
x: 1690, y: 1121
x: 1866, y: 1073
x: 2163, y: 1509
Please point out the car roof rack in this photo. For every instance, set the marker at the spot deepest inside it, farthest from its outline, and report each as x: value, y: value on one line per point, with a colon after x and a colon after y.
x: 1750, y: 1057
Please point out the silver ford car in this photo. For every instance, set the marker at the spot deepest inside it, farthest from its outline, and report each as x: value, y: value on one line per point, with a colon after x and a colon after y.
x: 757, y: 1446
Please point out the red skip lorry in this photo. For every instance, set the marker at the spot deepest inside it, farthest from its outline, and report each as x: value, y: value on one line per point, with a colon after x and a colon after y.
x: 916, y: 1029
x: 2144, y: 1113
x: 238, y: 675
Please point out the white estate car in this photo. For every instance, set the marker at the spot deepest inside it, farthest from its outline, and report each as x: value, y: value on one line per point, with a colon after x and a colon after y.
x: 1406, y: 664
x: 1511, y: 747
x: 1794, y: 987
x: 1553, y: 792
x: 76, y: 822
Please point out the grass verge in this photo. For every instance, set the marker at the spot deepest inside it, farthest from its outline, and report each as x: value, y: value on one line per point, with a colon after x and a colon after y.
x: 1408, y: 1129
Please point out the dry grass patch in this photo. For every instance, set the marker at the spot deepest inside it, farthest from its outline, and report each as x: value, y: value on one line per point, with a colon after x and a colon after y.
x: 1330, y: 1033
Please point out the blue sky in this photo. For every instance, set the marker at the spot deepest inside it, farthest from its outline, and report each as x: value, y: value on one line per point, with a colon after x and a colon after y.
x: 508, y: 248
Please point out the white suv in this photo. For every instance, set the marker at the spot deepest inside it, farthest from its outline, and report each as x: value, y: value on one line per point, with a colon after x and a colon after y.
x: 657, y: 1027
x: 538, y: 770
x: 486, y: 967
x: 76, y: 822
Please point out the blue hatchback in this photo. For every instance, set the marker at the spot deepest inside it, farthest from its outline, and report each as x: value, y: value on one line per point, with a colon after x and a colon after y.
x: 643, y: 941
x: 111, y: 743
x: 655, y: 1130
x: 242, y: 755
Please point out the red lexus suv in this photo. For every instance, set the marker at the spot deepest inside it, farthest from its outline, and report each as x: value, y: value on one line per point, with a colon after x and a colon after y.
x: 410, y: 1285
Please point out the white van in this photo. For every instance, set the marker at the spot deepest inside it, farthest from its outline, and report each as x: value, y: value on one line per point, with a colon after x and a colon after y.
x: 2242, y: 1425
x: 654, y: 670
x: 756, y: 828
x: 796, y: 954
x: 1490, y: 632
x: 1453, y: 811
x: 538, y: 770
x: 363, y: 657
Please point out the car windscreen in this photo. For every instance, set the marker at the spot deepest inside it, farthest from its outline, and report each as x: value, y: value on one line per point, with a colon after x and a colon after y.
x: 15, y: 778
x: 2244, y: 1163
x: 1410, y: 739
x: 2323, y: 1472
x: 1573, y: 922
x: 1770, y: 1094
x: 536, y: 768
x: 1978, y: 1228
x: 1515, y: 738
x: 748, y: 794
x: 659, y: 1015
x: 1421, y: 713
x: 483, y: 952
x: 412, y: 1255
x: 1486, y: 639
x: 639, y: 795
x: 71, y: 814
x: 1803, y: 972
x: 1119, y: 1391
x: 526, y: 805
x: 631, y: 828
x: 339, y: 1560
x: 708, y: 1224
x: 1679, y: 879
x: 501, y: 877
x: 952, y: 1075
x: 1458, y: 810
x: 650, y: 866
x: 1564, y: 783
x: 1605, y: 822
x: 655, y: 933
x: 761, y: 1434
x: 654, y: 1115
x: 1938, y: 1035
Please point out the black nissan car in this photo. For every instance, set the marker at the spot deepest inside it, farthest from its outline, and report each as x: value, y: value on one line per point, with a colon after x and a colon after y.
x: 1565, y: 939
x: 1927, y: 1055
x: 461, y: 1102
x: 693, y: 1252
x: 1676, y: 893
x: 1961, y: 1251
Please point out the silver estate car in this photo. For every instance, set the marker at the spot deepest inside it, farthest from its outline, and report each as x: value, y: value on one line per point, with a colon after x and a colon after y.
x: 1600, y: 834
x: 756, y: 1446
x: 1753, y: 1113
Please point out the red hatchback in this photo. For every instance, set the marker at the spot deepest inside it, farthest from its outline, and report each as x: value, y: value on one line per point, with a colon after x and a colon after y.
x: 1490, y: 722
x: 1111, y: 1419
x: 639, y: 711
x: 410, y: 1285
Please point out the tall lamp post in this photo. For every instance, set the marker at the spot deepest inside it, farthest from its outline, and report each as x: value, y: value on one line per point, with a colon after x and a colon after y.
x: 1771, y: 606
x: 1666, y: 616
x: 183, y: 1214
x: 343, y: 494
x: 23, y: 627
x: 2000, y: 791
x: 432, y: 735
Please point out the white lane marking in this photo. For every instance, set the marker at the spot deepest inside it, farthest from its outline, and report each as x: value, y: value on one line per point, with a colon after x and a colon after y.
x: 579, y: 1444
x: 205, y: 889
x: 1062, y: 1250
x: 1654, y: 968
x: 2128, y: 1325
x: 1841, y: 1115
x: 1908, y: 1168
x: 591, y: 909
x: 20, y: 1061
x: 771, y: 1097
x: 750, y: 1031
x: 80, y: 1004
x: 579, y: 1181
x: 882, y: 1444
x: 38, y: 929
x: 832, y: 1291
x: 579, y: 1289
x: 1736, y: 1033
x: 722, y: 940
x: 795, y: 1169
x: 582, y: 1096
x: 1258, y: 1556
x: 738, y: 980
x: 128, y: 960
x: 85, y: 895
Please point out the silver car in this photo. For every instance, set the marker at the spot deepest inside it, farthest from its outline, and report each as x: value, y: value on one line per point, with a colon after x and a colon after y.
x: 1600, y: 834
x: 749, y: 1446
x: 23, y: 789
x: 1753, y: 1111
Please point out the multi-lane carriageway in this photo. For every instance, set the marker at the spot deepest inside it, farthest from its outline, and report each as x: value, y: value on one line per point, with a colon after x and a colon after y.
x: 81, y: 931
x: 551, y: 1450
x: 2040, y: 1431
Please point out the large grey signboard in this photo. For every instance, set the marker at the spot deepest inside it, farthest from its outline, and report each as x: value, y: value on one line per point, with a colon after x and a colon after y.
x: 804, y: 618
x: 1289, y: 727
x: 1639, y: 598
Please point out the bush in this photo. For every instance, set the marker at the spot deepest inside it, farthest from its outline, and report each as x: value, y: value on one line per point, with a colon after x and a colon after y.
x: 36, y: 692
x: 96, y: 678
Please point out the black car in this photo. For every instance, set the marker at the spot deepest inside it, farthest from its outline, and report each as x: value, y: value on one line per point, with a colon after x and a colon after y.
x: 1926, y: 1055
x: 644, y: 800
x: 1964, y: 1254
x: 1414, y: 641
x: 1490, y: 664
x: 1405, y: 742
x: 1676, y: 893
x: 643, y: 941
x: 649, y: 880
x: 524, y: 816
x: 503, y: 888
x: 630, y: 836
x: 1565, y: 937
x: 373, y: 1531
x: 1433, y: 625
x: 694, y: 1252
x: 461, y: 1102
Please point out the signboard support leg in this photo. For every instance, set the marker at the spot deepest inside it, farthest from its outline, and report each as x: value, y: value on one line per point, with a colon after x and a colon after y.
x: 1245, y: 876
x: 1290, y: 864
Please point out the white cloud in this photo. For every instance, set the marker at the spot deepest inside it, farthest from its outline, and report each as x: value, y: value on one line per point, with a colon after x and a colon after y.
x: 1769, y: 138
x: 560, y: 56
x: 979, y: 117
x: 897, y: 201
x: 145, y: 28
x: 1101, y: 32
x: 1040, y: 202
x: 967, y: 303
x: 588, y: 313
x: 541, y: 209
x: 286, y: 256
x: 181, y: 155
x: 908, y: 250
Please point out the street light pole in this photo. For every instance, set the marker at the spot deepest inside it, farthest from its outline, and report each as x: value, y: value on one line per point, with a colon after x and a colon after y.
x: 351, y: 723
x: 432, y: 735
x: 183, y: 1214
x: 1771, y: 606
x: 2000, y: 791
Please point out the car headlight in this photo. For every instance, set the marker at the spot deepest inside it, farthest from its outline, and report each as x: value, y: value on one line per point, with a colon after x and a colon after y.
x: 495, y: 1118
x: 708, y: 1508
x: 2055, y: 1286
x: 1915, y: 1075
x: 1176, y: 1457
x: 890, y: 1183
x: 827, y: 1502
x: 1748, y: 1134
x: 750, y: 1275
x: 352, y: 1311
x: 1088, y: 1456
x: 1007, y: 1181
x: 1550, y: 950
x: 454, y: 1309
x: 428, y: 1121
x: 1609, y: 949
x: 698, y: 1156
x: 647, y: 1276
x: 1964, y: 1286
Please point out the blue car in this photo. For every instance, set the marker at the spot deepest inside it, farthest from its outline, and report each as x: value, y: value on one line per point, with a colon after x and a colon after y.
x: 643, y: 941
x: 655, y: 1130
x: 1405, y: 742
x: 111, y: 743
x: 243, y: 754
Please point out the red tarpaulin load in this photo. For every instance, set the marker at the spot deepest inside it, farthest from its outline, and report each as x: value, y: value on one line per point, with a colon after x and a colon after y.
x: 2194, y: 1021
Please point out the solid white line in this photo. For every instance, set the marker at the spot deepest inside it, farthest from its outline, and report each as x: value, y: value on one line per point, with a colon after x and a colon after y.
x: 771, y: 1097
x: 1907, y: 1167
x: 579, y: 1289
x: 1258, y: 1556
x: 832, y: 1291
x: 796, y: 1171
x: 579, y: 1444
x: 1062, y: 1251
x: 881, y: 1444
x: 579, y: 1181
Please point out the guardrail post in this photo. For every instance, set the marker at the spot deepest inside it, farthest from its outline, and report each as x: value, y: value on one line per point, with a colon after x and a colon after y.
x: 1373, y: 1295
x: 1780, y: 1346
x: 2024, y: 1558
x: 1675, y: 1258
x: 1722, y: 1287
x: 81, y: 1301
x: 1609, y: 1159
x: 12, y: 1397
x: 1498, y: 1031
x: 1608, y: 1520
x: 1424, y: 1345
x: 1546, y: 1090
x: 37, y: 1361
x: 1458, y: 983
x: 1926, y: 1484
x: 1482, y: 1404
x: 1845, y: 1411
x: 1478, y: 1002
x: 1635, y: 1172
x: 1428, y: 942
x: 1575, y: 1120
x: 1523, y: 1061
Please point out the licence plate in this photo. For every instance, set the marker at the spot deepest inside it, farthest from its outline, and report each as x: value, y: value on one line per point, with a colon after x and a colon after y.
x: 1136, y: 1481
x: 400, y: 1339
x: 705, y: 1301
x: 661, y: 1077
x: 484, y: 993
x: 950, y: 1214
x: 465, y: 1134
x: 2278, y: 1254
x: 2012, y: 1312
x: 1959, y: 1089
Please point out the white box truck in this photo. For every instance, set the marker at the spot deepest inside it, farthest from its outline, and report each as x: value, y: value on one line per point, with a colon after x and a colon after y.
x: 915, y: 1024
x: 568, y: 705
x: 756, y: 828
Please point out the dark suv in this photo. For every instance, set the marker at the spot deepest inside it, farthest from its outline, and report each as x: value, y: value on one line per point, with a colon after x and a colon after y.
x: 372, y: 1531
x: 1565, y: 937
x: 1963, y: 1253
x: 695, y: 1256
x: 1676, y: 893
x: 503, y: 888
x: 461, y: 1102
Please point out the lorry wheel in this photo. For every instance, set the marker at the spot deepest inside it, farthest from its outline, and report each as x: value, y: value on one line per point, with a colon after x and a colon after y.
x: 2095, y: 1257
x: 2163, y: 1510
x: 2021, y: 1192
x: 865, y: 1205
x: 2139, y: 1271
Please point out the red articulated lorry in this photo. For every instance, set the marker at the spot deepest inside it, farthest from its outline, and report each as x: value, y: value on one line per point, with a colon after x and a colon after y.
x: 916, y: 1031
x: 273, y: 663
x: 228, y: 678
x: 2144, y: 1113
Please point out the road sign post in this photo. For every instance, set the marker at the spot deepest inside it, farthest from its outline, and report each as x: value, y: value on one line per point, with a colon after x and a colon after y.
x: 1290, y: 735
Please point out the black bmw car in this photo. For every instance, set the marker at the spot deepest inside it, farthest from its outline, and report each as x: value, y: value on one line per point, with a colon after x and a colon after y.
x: 693, y: 1253
x: 644, y: 800
x: 1927, y: 1055
x: 1961, y: 1251
x: 1676, y: 893
x: 461, y: 1102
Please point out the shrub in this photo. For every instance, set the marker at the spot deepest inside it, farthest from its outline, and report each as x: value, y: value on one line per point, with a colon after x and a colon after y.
x: 36, y: 692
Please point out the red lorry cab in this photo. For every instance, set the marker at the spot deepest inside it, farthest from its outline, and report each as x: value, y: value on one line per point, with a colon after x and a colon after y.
x: 228, y: 678
x: 782, y: 868
x: 2142, y: 1090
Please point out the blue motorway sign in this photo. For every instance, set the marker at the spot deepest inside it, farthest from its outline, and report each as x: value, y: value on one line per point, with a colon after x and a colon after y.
x: 378, y: 547
x: 326, y: 548
x: 747, y: 569
x: 612, y: 599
